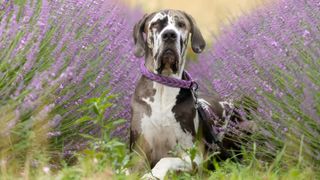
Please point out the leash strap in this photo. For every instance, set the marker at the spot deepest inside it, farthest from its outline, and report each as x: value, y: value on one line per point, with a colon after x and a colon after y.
x: 208, y: 118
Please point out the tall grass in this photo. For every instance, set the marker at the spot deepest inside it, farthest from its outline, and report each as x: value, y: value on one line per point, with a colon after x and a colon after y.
x: 269, y: 62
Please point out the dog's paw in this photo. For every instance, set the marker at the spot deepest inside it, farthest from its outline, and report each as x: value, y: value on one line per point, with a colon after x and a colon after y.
x: 149, y: 176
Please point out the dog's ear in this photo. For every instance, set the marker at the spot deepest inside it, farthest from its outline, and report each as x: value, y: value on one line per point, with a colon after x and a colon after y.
x: 138, y: 38
x: 197, y: 41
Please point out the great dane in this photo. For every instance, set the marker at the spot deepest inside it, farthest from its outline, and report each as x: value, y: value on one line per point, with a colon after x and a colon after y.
x: 165, y: 119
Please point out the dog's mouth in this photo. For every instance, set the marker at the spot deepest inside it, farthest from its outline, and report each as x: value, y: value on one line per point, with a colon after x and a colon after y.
x: 168, y: 62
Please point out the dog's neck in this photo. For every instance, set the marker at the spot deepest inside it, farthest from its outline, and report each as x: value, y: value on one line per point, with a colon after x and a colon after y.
x: 165, y: 96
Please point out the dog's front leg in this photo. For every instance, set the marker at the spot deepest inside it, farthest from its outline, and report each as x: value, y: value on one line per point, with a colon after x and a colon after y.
x: 171, y: 163
x: 165, y: 164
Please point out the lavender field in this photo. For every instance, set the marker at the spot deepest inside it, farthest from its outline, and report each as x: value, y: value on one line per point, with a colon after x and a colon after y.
x: 270, y: 60
x: 67, y: 73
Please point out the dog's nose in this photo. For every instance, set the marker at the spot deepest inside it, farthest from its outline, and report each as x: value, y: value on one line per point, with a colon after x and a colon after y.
x: 169, y: 35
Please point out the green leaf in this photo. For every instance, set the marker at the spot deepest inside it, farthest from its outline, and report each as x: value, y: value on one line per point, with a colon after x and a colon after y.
x: 82, y: 119
x: 96, y: 108
x: 105, y: 106
x: 92, y: 100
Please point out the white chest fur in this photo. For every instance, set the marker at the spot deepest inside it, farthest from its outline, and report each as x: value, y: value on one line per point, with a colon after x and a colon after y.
x: 161, y: 130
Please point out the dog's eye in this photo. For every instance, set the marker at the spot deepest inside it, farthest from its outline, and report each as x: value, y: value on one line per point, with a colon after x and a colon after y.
x: 181, y: 25
x: 155, y: 24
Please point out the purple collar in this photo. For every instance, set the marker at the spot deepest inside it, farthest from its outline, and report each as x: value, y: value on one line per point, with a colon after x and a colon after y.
x: 186, y: 82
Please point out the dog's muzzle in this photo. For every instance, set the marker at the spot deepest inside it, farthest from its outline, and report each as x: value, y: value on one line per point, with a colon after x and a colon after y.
x: 169, y: 57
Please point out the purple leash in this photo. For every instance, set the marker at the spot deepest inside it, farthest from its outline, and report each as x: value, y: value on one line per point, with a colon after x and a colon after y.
x: 169, y: 81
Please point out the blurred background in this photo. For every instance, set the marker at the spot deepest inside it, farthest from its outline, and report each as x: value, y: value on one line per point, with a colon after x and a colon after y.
x: 210, y: 15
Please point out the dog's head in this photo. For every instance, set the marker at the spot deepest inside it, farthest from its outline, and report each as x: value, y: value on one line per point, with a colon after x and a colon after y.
x: 163, y: 38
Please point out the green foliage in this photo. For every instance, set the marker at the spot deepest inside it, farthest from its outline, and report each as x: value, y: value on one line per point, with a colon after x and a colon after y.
x: 251, y: 168
x: 105, y: 156
x: 105, y: 149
